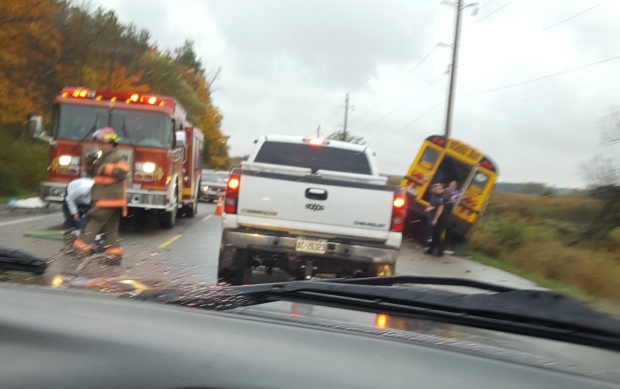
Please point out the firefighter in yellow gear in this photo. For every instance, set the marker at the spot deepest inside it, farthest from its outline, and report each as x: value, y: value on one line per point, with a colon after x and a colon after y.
x: 108, y: 198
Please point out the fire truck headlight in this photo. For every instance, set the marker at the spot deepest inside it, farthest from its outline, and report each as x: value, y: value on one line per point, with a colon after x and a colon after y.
x: 148, y: 167
x: 145, y: 167
x: 66, y: 160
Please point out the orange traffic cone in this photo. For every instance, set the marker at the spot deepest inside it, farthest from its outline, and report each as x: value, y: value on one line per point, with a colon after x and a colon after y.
x: 218, y: 209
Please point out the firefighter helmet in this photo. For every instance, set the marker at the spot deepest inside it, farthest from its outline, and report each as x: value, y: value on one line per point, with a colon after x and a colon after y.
x: 105, y: 134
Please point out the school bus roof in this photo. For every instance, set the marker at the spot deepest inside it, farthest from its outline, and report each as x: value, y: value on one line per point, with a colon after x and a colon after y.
x: 486, y: 161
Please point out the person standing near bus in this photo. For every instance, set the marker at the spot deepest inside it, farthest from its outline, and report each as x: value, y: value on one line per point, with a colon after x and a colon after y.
x: 454, y: 195
x: 430, y: 213
x: 438, y: 220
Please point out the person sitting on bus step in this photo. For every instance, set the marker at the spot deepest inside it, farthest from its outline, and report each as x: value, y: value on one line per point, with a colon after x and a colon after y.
x: 438, y: 222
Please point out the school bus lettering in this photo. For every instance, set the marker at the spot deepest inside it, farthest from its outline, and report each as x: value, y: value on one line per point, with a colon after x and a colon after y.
x: 459, y: 148
x: 474, y: 155
x: 464, y: 150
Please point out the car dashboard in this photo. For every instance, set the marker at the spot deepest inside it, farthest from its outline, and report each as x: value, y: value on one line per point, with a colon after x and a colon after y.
x: 75, y: 339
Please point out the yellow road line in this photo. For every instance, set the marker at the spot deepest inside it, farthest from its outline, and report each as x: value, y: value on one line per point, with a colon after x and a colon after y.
x: 169, y: 241
x: 204, y: 219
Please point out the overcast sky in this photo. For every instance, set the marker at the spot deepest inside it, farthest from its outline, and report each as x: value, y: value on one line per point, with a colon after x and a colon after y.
x: 287, y: 65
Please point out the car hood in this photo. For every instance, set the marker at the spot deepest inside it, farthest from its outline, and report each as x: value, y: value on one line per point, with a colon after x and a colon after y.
x: 578, y: 359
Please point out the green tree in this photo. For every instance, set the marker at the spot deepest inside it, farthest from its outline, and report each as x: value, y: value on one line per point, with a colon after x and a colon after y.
x: 186, y: 55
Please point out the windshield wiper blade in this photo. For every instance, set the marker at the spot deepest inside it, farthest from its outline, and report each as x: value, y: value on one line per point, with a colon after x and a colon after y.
x: 92, y: 129
x: 421, y: 280
x: 124, y: 129
x: 526, y: 312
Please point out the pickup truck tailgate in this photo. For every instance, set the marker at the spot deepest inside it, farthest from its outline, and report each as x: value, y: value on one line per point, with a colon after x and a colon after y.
x: 296, y: 201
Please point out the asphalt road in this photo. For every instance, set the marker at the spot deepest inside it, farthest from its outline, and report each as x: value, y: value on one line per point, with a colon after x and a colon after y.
x: 188, y: 253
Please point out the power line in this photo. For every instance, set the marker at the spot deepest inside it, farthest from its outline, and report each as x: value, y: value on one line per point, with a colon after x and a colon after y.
x: 508, y: 47
x: 402, y: 105
x: 541, y: 78
x: 414, y: 121
x: 423, y: 60
x: 494, y: 12
x: 366, y: 113
x: 489, y: 2
x: 396, y: 56
x: 574, y: 16
x: 413, y: 71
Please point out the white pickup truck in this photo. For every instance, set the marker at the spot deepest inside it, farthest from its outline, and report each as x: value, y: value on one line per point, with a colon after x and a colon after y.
x: 311, y: 207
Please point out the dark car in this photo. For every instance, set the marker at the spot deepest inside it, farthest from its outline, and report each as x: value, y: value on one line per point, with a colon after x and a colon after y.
x: 212, y: 185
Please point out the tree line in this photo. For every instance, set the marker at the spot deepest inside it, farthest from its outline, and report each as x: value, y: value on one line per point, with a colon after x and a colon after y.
x: 49, y: 44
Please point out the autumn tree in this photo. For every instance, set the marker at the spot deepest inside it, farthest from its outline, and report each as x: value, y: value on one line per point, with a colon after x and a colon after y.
x: 30, y: 47
x: 49, y: 44
x: 167, y: 76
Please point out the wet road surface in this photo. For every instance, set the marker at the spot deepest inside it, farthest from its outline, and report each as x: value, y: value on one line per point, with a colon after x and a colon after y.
x: 188, y: 253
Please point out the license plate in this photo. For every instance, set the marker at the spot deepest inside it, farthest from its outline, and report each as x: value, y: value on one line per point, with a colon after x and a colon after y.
x: 311, y: 246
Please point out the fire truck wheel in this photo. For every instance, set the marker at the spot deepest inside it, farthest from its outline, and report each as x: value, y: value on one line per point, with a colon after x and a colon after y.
x: 191, y: 210
x: 167, y: 220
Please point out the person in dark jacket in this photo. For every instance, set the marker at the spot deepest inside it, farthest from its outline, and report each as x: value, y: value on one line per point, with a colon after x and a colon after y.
x: 438, y: 212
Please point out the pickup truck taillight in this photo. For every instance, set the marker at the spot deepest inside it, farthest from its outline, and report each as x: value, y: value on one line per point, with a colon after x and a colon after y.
x: 232, y: 193
x: 399, y: 211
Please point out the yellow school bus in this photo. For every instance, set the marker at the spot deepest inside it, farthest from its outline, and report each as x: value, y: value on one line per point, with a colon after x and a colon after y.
x: 443, y: 160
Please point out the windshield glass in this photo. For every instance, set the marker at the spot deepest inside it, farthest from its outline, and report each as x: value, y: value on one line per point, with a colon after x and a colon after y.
x: 210, y: 177
x: 479, y: 142
x: 314, y: 157
x: 75, y: 122
x: 142, y: 128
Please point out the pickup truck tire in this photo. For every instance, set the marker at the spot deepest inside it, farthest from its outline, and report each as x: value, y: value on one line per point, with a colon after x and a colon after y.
x: 235, y: 270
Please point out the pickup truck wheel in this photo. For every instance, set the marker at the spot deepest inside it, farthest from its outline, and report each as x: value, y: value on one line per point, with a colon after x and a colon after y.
x: 239, y: 272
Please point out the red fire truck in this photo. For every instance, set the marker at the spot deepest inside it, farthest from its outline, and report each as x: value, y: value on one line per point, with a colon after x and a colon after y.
x: 162, y: 148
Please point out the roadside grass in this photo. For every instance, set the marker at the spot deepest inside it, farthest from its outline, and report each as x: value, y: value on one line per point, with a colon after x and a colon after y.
x: 532, y: 276
x: 527, y: 235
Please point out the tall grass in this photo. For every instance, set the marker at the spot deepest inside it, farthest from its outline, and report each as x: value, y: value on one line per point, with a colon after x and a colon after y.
x: 531, y: 232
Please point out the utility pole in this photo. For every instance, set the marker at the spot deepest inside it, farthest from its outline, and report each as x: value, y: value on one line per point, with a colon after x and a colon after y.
x: 453, y: 67
x: 346, y: 114
x: 318, y: 132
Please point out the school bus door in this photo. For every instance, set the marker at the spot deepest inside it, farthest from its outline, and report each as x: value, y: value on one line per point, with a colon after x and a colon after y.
x: 420, y: 174
x: 474, y: 198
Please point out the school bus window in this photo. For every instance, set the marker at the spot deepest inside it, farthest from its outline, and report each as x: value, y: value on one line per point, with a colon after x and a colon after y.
x: 480, y: 180
x: 429, y: 158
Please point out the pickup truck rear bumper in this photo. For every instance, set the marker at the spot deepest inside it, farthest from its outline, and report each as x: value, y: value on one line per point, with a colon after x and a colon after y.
x: 262, y: 241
